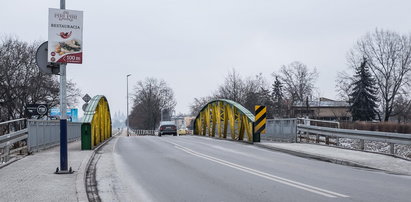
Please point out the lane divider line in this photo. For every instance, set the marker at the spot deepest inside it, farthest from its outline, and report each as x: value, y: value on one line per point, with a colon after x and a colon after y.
x: 268, y: 176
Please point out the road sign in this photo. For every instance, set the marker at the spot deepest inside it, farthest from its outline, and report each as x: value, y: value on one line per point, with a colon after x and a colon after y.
x: 86, y: 98
x: 65, y: 36
x: 36, y: 109
x: 260, y: 119
x: 84, y: 107
x: 41, y: 61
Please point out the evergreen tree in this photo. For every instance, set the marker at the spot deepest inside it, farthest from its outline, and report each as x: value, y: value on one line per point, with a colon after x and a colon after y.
x: 277, y: 95
x: 363, y: 95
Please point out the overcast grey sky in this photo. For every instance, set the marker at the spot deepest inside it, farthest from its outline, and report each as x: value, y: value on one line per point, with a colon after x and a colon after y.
x: 192, y: 44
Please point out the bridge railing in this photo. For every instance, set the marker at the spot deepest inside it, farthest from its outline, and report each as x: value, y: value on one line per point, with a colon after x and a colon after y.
x: 141, y: 132
x: 280, y: 130
x: 323, y: 134
x: 44, y: 134
x: 13, y: 135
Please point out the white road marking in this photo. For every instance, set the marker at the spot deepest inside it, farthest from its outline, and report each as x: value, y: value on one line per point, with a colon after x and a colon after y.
x: 268, y: 176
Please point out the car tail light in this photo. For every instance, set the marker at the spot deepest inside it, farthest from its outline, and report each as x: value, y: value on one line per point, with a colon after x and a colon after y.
x: 173, y: 127
x: 161, y: 128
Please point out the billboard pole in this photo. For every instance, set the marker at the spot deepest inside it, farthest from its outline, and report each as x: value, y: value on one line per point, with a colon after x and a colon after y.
x: 63, y: 118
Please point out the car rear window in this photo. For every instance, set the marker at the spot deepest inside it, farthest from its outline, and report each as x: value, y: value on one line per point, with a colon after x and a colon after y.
x: 168, y: 126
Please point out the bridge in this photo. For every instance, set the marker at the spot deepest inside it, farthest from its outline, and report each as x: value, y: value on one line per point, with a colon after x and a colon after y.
x: 221, y: 161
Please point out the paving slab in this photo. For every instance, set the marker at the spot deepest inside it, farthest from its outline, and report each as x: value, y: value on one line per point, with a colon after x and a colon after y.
x: 32, y: 178
x: 382, y: 162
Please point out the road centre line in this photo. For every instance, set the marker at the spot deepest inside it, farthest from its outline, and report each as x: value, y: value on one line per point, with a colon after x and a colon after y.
x: 268, y: 176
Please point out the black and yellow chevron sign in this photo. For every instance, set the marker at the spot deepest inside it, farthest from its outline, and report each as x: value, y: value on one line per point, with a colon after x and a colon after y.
x: 260, y: 119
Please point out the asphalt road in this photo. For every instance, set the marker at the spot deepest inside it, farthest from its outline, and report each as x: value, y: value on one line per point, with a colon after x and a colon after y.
x: 190, y: 168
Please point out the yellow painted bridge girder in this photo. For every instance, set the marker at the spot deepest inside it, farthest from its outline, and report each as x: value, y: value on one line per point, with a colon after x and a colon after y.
x: 97, y: 116
x: 225, y: 117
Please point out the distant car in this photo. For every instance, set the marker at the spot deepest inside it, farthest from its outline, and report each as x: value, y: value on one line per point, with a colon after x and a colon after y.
x: 167, y: 129
x: 182, y: 131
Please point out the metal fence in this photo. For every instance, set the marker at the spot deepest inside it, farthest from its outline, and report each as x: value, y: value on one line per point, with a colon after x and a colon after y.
x: 282, y: 130
x: 45, y: 134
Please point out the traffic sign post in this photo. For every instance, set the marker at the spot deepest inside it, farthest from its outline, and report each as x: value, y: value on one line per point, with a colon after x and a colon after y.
x: 36, y: 110
x: 86, y: 98
x: 260, y: 113
x: 41, y: 60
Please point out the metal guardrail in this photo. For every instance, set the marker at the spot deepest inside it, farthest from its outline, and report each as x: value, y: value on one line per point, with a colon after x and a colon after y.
x: 316, y: 122
x: 303, y: 132
x: 15, y: 131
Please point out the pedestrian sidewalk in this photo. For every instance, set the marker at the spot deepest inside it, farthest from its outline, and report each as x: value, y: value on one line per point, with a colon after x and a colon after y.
x: 32, y: 178
x: 382, y: 162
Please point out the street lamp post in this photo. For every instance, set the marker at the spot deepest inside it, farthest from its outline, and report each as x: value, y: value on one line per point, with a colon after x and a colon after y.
x: 127, y: 106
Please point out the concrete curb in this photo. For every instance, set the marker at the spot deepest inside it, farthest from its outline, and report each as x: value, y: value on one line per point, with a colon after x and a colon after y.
x: 80, y: 178
x: 85, y: 164
x: 322, y: 158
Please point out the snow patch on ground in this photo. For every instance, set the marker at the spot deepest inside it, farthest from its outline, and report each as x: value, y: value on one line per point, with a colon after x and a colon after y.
x: 403, y: 151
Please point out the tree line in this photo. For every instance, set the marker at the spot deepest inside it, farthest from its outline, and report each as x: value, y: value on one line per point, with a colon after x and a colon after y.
x: 292, y: 83
x: 376, y: 86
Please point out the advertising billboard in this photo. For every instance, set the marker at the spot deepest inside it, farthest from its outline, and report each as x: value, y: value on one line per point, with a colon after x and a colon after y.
x: 65, y: 36
x: 72, y: 114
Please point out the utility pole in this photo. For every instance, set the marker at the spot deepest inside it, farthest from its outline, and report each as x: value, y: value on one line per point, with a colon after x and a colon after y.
x: 127, y: 107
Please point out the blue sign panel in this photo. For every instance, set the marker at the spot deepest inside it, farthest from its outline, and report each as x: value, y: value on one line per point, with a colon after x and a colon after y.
x: 72, y: 114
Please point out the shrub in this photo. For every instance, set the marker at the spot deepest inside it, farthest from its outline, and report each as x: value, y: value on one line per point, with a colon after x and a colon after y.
x: 380, y: 126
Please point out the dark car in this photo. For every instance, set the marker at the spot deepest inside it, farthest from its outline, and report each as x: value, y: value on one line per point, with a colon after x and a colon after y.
x: 167, y: 128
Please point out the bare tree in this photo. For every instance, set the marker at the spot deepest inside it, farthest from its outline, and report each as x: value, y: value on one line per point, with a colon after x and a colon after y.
x: 298, y: 81
x: 233, y: 87
x: 344, y: 85
x: 22, y: 83
x: 402, y: 108
x: 247, y: 92
x: 389, y: 58
x: 150, y: 97
x: 257, y: 92
x: 279, y: 108
x: 199, y: 103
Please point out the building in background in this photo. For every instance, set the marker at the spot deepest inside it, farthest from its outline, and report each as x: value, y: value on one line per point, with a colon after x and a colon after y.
x: 323, y: 109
